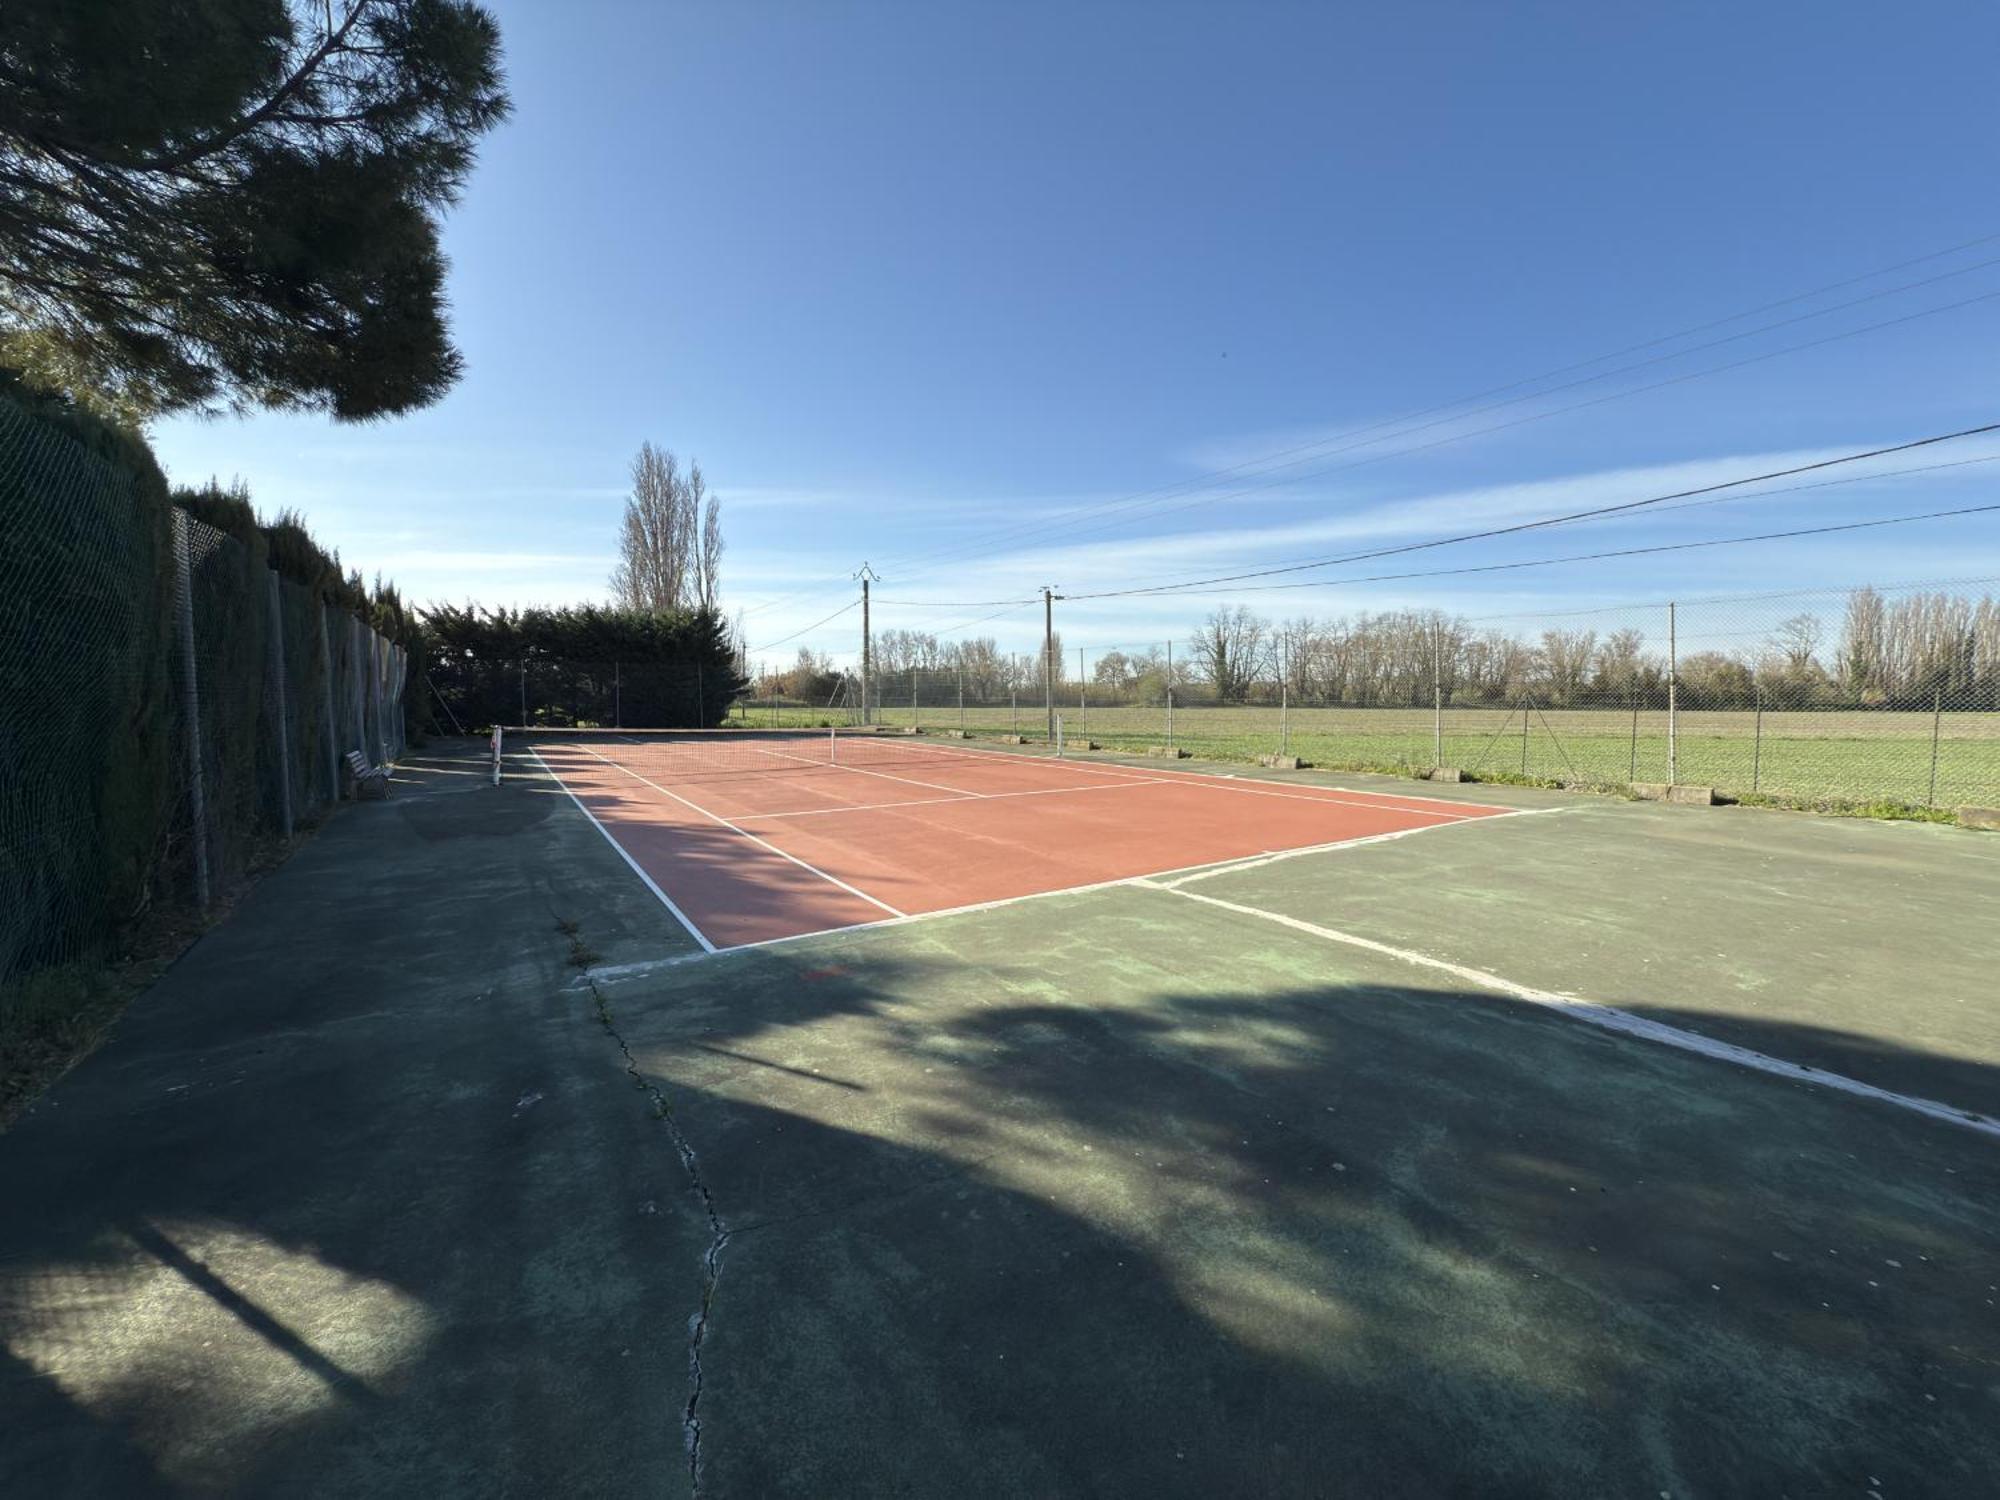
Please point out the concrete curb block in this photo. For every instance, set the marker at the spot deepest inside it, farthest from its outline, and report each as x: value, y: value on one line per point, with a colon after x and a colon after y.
x: 1280, y: 762
x: 1660, y: 791
x: 1170, y: 752
x: 1979, y: 817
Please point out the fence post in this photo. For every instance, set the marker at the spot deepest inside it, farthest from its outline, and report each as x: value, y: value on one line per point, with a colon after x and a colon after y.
x: 381, y: 756
x: 191, y: 702
x: 276, y: 657
x: 1170, y: 695
x: 961, y: 699
x: 1673, y: 700
x: 332, y: 734
x: 1284, y: 709
x: 1437, y: 699
x: 1082, y: 689
x: 913, y: 697
x: 1632, y: 764
x: 618, y: 695
x: 1757, y: 743
x: 1014, y: 708
x: 1524, y: 736
x: 524, y: 692
x: 1937, y: 722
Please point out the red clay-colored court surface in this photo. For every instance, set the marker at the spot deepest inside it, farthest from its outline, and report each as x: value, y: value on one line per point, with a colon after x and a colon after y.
x: 752, y: 840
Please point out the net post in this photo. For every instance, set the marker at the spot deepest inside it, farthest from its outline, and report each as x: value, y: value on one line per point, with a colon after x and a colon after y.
x: 276, y: 659
x: 499, y: 745
x: 191, y: 701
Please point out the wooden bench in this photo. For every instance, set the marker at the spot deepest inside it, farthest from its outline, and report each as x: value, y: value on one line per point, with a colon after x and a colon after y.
x: 366, y: 780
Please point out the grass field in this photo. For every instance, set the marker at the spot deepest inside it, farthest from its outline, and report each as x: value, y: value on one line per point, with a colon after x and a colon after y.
x: 1853, y: 756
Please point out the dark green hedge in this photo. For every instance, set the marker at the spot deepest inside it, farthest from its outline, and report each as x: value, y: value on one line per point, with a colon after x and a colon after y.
x: 583, y: 665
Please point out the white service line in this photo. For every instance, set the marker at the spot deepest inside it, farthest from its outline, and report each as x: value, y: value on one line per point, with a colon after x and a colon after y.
x: 935, y: 786
x: 1152, y: 879
x: 1044, y: 791
x: 743, y: 832
x: 1610, y: 1018
x: 665, y: 900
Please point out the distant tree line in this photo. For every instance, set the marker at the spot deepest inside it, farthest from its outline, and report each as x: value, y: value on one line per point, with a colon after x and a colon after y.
x: 1906, y: 652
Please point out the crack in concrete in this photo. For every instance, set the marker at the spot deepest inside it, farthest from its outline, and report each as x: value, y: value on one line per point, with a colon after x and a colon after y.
x: 711, y: 1260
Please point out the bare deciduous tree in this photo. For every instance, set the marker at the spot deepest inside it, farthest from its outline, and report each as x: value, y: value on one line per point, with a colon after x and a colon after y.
x: 1230, y: 648
x: 670, y: 551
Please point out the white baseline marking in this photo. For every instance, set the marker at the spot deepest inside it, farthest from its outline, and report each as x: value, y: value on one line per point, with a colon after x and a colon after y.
x: 1234, y: 783
x: 744, y: 833
x: 1044, y: 791
x: 1610, y: 1018
x: 665, y: 900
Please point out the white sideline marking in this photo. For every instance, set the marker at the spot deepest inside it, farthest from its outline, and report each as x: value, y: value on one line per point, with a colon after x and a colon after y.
x: 1610, y: 1018
x: 1045, y: 791
x: 743, y: 832
x: 665, y: 900
x: 1152, y: 879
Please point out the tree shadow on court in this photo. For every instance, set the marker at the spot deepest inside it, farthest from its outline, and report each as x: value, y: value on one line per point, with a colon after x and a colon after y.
x: 1373, y: 1239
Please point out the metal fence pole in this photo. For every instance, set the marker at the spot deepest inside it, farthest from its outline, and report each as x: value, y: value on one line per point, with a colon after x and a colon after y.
x: 961, y: 700
x: 1170, y: 695
x: 191, y: 702
x: 617, y: 696
x: 332, y: 728
x: 1937, y: 722
x: 1284, y: 697
x: 524, y: 692
x: 1524, y: 736
x: 1437, y: 704
x: 1082, y: 689
x: 1673, y: 701
x: 276, y: 657
x: 1632, y: 767
x: 1757, y: 742
x: 913, y: 697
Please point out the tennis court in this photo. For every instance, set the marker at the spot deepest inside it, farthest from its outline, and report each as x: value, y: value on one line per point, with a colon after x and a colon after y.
x: 754, y: 836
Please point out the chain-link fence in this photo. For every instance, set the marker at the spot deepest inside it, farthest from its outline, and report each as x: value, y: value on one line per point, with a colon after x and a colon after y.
x: 1874, y: 694
x: 167, y: 702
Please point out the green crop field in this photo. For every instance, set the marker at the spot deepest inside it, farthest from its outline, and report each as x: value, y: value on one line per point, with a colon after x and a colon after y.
x: 1854, y: 755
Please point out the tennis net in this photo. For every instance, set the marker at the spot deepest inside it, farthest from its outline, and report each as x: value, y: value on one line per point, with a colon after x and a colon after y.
x: 692, y: 754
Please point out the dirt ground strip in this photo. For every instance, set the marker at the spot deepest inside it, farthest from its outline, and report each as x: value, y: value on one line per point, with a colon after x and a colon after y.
x: 1247, y: 1185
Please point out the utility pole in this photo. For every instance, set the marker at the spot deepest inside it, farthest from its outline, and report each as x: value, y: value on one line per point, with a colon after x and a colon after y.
x: 867, y: 576
x: 1049, y: 658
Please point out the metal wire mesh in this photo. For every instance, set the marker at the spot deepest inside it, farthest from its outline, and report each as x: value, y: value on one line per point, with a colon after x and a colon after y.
x: 1884, y: 694
x: 169, y: 703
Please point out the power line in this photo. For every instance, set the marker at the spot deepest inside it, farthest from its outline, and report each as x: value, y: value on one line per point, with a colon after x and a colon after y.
x: 1789, y: 489
x: 1320, y: 446
x: 1544, y: 522
x: 807, y: 630
x: 1546, y: 562
x: 1326, y: 446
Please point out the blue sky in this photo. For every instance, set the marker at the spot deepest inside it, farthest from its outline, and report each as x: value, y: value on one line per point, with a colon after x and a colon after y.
x: 918, y: 283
